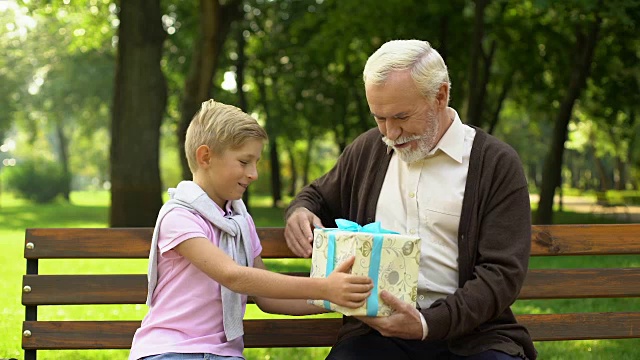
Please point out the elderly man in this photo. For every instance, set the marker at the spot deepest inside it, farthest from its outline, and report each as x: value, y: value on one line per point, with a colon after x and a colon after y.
x: 424, y: 172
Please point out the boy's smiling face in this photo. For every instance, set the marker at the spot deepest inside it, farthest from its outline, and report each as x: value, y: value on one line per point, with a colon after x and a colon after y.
x: 225, y: 176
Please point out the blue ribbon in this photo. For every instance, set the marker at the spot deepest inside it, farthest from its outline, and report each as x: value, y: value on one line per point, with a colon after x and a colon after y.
x: 331, y: 259
x: 374, y: 269
x: 372, y: 228
x: 376, y: 251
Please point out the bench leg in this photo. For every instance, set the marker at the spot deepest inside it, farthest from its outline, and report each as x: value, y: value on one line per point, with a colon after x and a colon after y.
x: 30, y: 354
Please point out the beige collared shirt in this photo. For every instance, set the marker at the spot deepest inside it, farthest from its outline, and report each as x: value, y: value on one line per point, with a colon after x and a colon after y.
x: 425, y: 199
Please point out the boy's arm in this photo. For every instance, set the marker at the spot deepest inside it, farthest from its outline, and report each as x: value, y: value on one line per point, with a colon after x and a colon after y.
x: 283, y: 306
x: 340, y: 288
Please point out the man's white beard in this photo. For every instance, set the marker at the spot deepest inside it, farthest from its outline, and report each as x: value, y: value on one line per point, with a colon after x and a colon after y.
x: 426, y: 142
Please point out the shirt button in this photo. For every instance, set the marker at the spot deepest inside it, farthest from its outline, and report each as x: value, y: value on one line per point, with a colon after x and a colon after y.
x: 412, y: 231
x: 421, y: 297
x: 412, y: 194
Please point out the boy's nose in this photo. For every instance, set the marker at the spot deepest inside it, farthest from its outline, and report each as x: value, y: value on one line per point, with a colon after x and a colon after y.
x: 252, y: 174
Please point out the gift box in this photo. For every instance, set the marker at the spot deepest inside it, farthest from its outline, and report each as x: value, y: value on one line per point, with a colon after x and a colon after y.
x: 391, y: 260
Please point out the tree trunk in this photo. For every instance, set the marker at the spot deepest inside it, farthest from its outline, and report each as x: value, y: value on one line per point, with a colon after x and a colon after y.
x: 495, y: 116
x: 533, y: 174
x: 215, y: 22
x: 481, y: 93
x: 307, y: 160
x: 294, y: 170
x: 63, y: 142
x: 242, y: 97
x: 634, y: 180
x: 618, y: 163
x: 618, y: 173
x: 140, y: 97
x: 364, y: 117
x: 602, y: 173
x: 443, y: 37
x: 276, y: 184
x: 340, y: 108
x: 585, y: 47
x: 473, y: 108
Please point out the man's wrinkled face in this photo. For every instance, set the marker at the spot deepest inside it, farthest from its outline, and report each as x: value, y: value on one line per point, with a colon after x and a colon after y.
x: 406, y: 119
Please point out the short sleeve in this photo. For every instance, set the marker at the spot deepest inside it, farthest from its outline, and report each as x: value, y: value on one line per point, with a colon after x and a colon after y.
x: 179, y: 225
x: 255, y: 240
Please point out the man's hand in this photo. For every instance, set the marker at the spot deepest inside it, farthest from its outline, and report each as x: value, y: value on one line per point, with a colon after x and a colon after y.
x: 404, y: 323
x: 299, y: 231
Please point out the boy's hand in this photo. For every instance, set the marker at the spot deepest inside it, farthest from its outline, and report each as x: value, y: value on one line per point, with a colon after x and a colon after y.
x: 345, y: 289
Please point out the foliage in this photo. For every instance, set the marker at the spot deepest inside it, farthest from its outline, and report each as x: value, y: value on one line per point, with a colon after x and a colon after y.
x: 12, y: 68
x: 57, y: 71
x: 37, y: 180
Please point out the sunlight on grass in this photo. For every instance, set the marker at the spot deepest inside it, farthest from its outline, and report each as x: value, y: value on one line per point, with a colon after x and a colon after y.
x: 93, y: 312
x: 589, y: 349
x: 91, y: 198
x: 288, y: 264
x: 14, y: 266
x: 93, y: 266
x: 10, y: 200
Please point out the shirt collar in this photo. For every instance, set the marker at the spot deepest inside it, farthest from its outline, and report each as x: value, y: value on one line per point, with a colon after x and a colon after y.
x: 452, y: 142
x: 226, y: 211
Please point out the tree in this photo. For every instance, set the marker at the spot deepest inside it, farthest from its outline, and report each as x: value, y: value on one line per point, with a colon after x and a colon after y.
x: 586, y: 35
x: 139, y: 103
x: 216, y: 18
x: 64, y: 88
x: 13, y: 69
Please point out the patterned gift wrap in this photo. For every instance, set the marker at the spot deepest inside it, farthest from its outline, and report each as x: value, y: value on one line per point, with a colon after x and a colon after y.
x: 391, y: 260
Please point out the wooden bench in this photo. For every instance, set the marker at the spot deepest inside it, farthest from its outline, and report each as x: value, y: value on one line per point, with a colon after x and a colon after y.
x: 40, y: 290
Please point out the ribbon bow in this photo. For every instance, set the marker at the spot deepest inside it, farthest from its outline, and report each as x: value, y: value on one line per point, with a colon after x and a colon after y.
x: 372, y: 228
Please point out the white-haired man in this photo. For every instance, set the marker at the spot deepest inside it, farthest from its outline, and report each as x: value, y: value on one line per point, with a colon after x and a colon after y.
x: 424, y: 172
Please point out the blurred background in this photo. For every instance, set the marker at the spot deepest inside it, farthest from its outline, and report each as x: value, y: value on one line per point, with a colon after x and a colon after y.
x: 96, y: 95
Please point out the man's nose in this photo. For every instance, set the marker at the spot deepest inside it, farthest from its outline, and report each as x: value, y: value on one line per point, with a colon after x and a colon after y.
x: 393, y: 130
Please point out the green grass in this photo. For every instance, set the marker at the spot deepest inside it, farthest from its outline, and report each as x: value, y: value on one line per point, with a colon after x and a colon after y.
x: 91, y: 210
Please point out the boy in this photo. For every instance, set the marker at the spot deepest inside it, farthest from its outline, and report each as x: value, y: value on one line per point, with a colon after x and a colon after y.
x: 205, y: 251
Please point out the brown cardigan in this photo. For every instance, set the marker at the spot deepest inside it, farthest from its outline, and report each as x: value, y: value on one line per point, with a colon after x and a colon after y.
x: 494, y: 239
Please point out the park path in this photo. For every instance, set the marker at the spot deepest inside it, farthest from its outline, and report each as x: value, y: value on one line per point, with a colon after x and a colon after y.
x: 587, y: 204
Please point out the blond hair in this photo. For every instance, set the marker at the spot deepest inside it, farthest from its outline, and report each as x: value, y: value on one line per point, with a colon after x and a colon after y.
x: 427, y: 67
x: 220, y: 127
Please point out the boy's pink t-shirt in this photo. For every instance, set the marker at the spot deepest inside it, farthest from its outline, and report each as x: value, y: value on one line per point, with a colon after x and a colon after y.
x: 186, y: 311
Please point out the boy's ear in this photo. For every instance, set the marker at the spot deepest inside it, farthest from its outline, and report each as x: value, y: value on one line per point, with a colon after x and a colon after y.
x: 203, y: 155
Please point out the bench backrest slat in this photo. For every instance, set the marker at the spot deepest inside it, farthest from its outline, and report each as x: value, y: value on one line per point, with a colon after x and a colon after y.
x: 581, y: 283
x: 118, y: 334
x: 120, y: 243
x: 601, y: 239
x: 582, y: 326
x: 134, y: 242
x: 318, y: 332
x: 89, y: 289
x: 132, y: 289
x: 84, y: 289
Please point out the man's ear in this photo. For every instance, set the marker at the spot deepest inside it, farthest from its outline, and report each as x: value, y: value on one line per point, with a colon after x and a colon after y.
x: 442, y: 97
x: 203, y: 156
